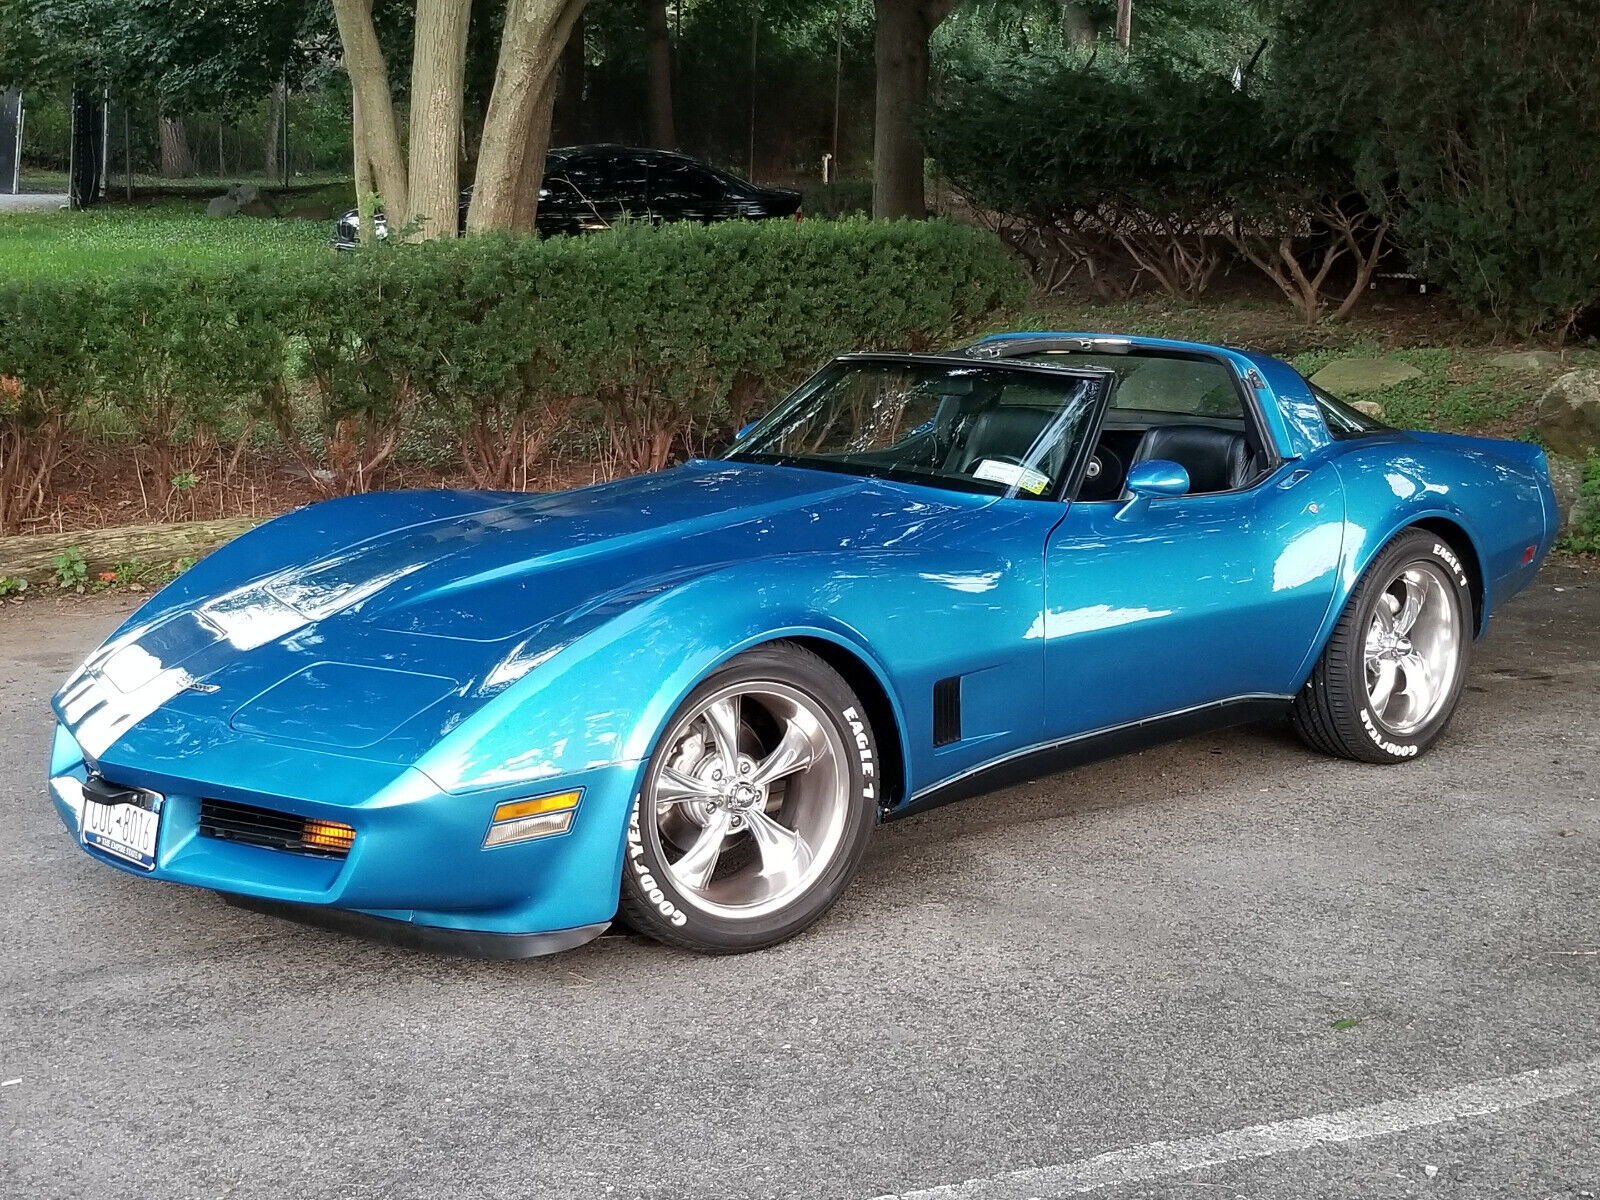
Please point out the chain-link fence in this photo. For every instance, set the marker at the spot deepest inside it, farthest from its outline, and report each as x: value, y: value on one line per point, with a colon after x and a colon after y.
x: 97, y: 146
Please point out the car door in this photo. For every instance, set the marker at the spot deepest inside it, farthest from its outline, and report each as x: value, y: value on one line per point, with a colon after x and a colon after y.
x: 682, y: 190
x: 1166, y: 605
x: 609, y: 186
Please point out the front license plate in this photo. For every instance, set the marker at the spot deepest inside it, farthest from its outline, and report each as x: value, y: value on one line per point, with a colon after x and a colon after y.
x: 124, y: 830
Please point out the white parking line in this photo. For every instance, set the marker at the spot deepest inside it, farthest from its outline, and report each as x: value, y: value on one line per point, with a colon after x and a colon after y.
x: 1156, y: 1159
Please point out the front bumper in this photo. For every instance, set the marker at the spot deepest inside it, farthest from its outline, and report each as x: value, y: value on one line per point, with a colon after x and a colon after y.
x: 418, y: 857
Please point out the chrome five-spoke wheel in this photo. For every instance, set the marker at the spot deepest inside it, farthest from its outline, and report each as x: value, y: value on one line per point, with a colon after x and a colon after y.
x: 1413, y: 648
x: 756, y: 805
x: 751, y: 799
x: 1388, y: 678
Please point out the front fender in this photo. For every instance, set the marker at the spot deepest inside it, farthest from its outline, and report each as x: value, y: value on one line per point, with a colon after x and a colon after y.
x: 603, y: 698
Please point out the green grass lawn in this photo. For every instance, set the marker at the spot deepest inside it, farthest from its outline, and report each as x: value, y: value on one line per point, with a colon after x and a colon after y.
x: 105, y: 241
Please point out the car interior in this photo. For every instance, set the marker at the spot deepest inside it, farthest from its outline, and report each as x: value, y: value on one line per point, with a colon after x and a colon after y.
x: 1187, y: 410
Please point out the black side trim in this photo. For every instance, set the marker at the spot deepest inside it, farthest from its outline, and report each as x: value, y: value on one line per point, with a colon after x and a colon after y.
x: 947, y: 711
x: 1138, y: 735
x: 469, y: 943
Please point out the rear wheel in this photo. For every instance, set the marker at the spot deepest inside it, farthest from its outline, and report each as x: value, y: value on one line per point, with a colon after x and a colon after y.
x: 1389, y: 679
x: 756, y: 806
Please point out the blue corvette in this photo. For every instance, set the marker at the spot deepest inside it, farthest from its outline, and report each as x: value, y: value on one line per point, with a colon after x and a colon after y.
x: 495, y: 722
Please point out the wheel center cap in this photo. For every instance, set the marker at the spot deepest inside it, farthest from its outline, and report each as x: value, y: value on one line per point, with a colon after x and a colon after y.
x: 743, y: 795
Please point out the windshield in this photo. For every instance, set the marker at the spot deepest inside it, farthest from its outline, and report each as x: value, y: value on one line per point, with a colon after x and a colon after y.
x: 1343, y: 421
x: 991, y: 429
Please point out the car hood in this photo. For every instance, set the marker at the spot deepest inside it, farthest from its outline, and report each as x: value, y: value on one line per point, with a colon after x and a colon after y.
x: 419, y: 623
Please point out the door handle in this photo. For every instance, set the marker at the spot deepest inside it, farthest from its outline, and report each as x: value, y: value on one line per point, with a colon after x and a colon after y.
x: 1296, y: 476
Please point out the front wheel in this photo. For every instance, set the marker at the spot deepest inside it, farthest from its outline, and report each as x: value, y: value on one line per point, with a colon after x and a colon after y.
x: 755, y: 808
x: 1389, y: 679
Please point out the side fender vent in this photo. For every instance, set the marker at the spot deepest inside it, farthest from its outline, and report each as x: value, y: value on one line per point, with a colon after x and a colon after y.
x: 947, y: 711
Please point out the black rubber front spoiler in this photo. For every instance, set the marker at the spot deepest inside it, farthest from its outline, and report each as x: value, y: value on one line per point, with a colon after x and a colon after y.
x: 470, y: 943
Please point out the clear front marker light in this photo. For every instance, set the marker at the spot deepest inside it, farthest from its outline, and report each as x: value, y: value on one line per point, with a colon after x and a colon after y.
x: 520, y: 820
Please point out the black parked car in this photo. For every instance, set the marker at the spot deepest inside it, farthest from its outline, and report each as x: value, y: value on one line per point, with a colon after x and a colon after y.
x: 592, y: 187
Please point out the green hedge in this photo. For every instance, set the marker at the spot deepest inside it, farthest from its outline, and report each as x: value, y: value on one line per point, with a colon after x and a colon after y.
x: 662, y: 338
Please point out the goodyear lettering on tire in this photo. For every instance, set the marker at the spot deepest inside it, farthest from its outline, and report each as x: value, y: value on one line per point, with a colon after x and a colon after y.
x: 646, y: 880
x: 1398, y: 749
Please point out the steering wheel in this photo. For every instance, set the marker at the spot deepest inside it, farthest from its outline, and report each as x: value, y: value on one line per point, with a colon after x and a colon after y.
x: 1102, y: 478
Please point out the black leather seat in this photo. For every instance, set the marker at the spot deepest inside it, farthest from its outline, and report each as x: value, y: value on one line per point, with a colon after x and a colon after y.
x: 1008, y: 432
x: 1218, y: 460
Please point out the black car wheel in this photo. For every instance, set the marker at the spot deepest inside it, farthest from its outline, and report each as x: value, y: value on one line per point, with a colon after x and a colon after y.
x: 1389, y: 679
x: 756, y: 806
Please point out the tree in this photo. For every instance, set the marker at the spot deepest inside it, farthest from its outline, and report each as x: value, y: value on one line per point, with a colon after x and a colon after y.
x: 516, y: 125
x: 516, y: 129
x: 903, y: 32
x: 438, y: 71
x: 662, y: 133
x: 176, y: 161
x: 1473, y: 128
x: 183, y: 58
x: 375, y: 132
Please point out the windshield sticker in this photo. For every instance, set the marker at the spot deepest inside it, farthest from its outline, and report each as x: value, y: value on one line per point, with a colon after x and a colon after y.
x: 1012, y: 475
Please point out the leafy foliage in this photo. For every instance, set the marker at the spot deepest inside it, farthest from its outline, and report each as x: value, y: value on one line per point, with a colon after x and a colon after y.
x: 1585, y: 536
x: 71, y: 571
x: 209, y: 53
x: 661, y: 338
x: 1125, y: 175
x: 1475, y: 129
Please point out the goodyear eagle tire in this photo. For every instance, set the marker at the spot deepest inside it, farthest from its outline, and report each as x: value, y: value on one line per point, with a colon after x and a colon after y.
x: 756, y: 806
x: 1391, y: 674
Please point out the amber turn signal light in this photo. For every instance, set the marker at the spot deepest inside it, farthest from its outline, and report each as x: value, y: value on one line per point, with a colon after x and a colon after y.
x: 327, y: 835
x: 520, y: 820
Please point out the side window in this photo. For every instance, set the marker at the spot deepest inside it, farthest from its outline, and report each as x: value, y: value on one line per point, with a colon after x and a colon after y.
x: 558, y: 189
x: 683, y: 183
x: 1192, y: 387
x: 617, y: 180
x: 1189, y: 387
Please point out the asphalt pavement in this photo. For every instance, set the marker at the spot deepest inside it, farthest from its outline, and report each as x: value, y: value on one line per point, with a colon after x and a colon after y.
x: 1226, y: 967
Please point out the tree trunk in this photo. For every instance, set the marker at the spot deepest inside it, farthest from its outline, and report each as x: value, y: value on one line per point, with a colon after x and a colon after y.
x: 1077, y: 25
x: 438, y: 70
x: 32, y: 556
x: 363, y: 170
x: 369, y: 79
x: 176, y: 161
x: 518, y: 120
x: 662, y: 133
x: 531, y: 179
x: 269, y: 160
x: 903, y: 30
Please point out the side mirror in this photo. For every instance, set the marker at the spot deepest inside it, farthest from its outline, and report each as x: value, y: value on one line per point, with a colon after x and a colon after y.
x: 1150, y: 479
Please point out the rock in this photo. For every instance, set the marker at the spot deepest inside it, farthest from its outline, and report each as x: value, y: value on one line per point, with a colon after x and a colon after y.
x: 1568, y: 415
x: 1566, y: 479
x: 1429, y: 1170
x: 240, y: 197
x: 1527, y: 360
x: 1370, y: 407
x: 1363, y: 374
x: 259, y: 207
